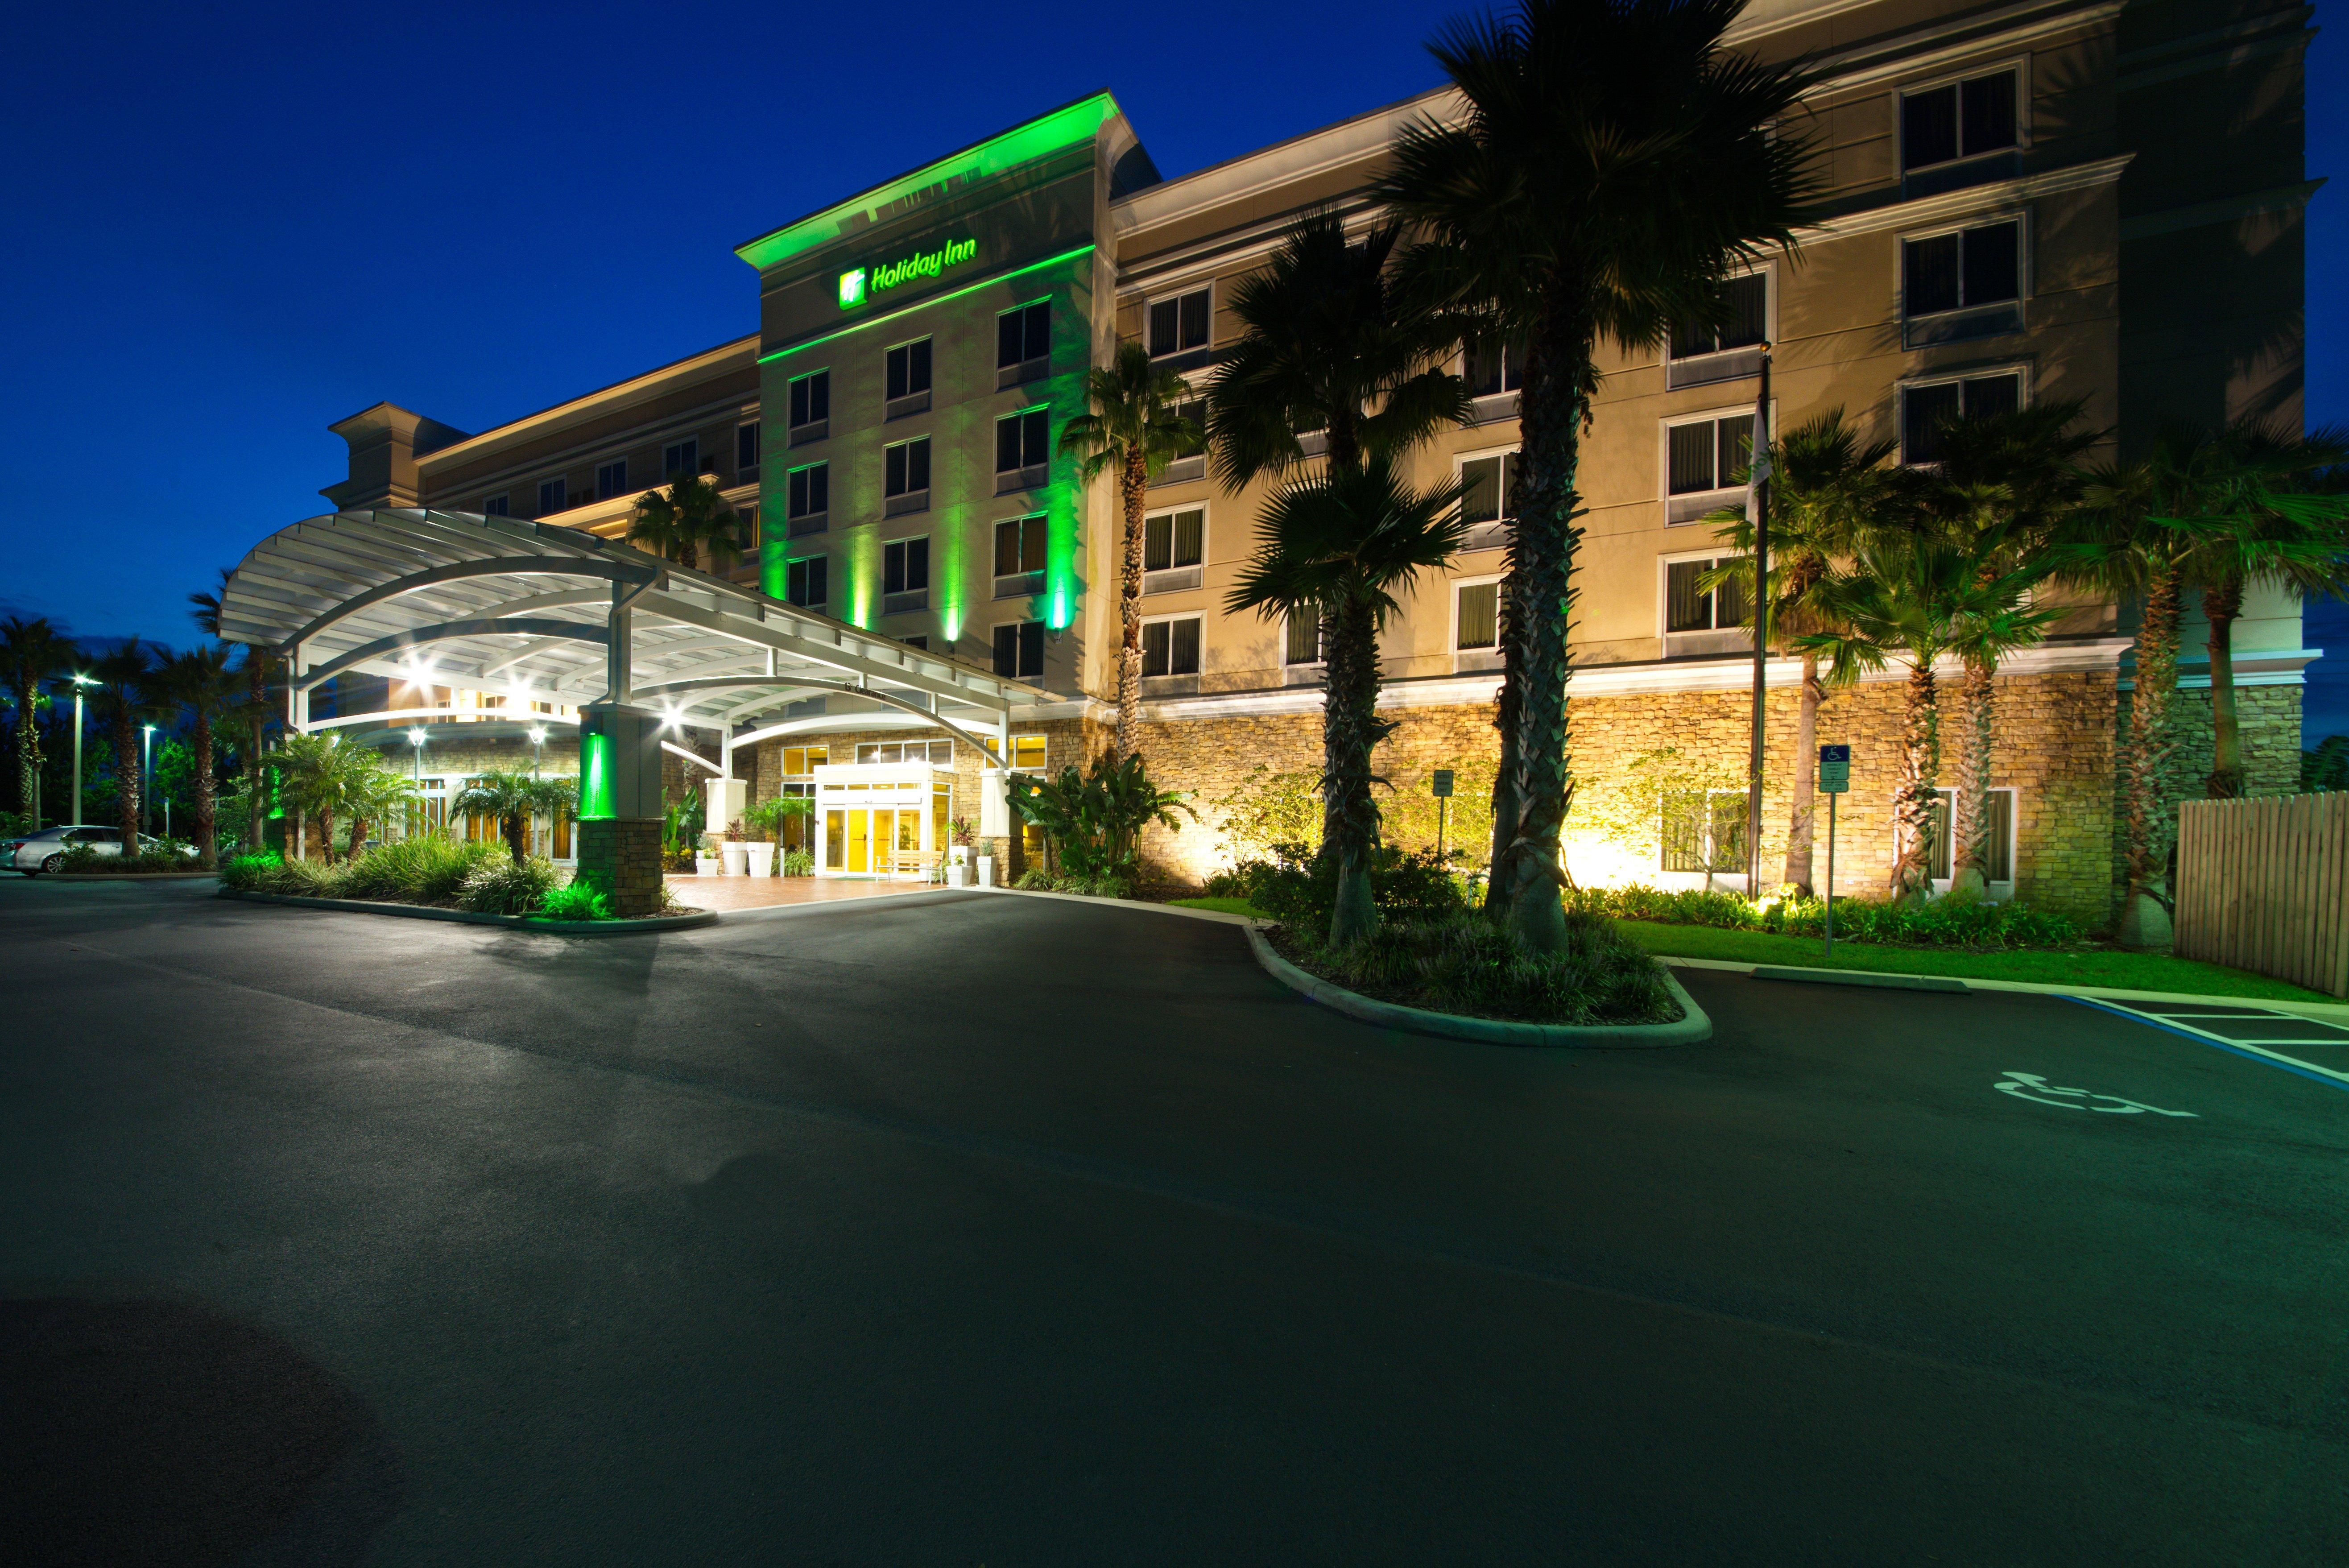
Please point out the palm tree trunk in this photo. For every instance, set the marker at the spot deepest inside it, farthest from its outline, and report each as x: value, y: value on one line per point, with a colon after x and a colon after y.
x: 1806, y: 743
x: 1350, y: 729
x: 1912, y: 810
x: 2145, y: 815
x: 358, y: 836
x: 1134, y: 480
x: 126, y: 778
x: 207, y: 837
x: 325, y: 821
x: 515, y: 827
x: 2220, y: 606
x: 28, y: 750
x: 1505, y: 789
x: 1560, y: 377
x: 1970, y: 819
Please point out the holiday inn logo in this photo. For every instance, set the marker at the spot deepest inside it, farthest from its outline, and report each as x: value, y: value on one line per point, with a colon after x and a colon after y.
x: 856, y: 283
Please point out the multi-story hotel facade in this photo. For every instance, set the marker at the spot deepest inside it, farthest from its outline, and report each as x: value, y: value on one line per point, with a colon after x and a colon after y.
x: 2051, y: 200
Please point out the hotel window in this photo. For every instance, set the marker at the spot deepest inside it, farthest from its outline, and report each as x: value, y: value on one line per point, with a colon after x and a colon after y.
x: 1726, y: 348
x: 1173, y: 548
x: 746, y: 453
x: 1968, y: 284
x: 1998, y: 853
x: 1022, y: 457
x: 1704, y: 830
x: 1488, y: 500
x: 1194, y: 464
x: 1024, y: 344
x: 904, y: 576
x: 611, y: 479
x: 497, y: 507
x: 1476, y: 621
x: 1703, y: 460
x: 552, y: 498
x: 1020, y: 557
x: 1958, y: 120
x: 798, y: 761
x: 1020, y: 650
x: 1182, y: 324
x: 807, y: 499
x: 1301, y: 642
x: 935, y: 751
x: 808, y: 583
x: 1494, y: 366
x: 1698, y: 619
x: 680, y: 457
x: 811, y: 407
x: 1028, y: 753
x: 919, y: 640
x: 906, y: 374
x: 1170, y: 647
x: 906, y: 476
x: 749, y: 529
x: 1926, y: 406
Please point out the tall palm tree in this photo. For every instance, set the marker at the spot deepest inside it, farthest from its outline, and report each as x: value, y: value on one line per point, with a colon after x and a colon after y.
x: 1329, y: 345
x: 1614, y: 165
x: 31, y: 651
x: 1918, y: 596
x: 686, y: 522
x: 372, y: 796
x: 2005, y: 484
x: 1827, y: 487
x: 126, y: 695
x: 513, y: 798
x: 202, y: 682
x: 1130, y: 427
x: 2280, y: 521
x: 1336, y: 546
x: 259, y: 670
x: 326, y: 778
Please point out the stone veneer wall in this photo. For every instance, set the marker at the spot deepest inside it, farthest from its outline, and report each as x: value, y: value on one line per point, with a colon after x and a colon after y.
x: 467, y: 757
x: 622, y: 858
x: 2054, y: 747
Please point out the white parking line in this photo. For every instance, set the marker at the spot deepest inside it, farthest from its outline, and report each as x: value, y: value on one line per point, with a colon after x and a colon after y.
x: 2255, y: 1040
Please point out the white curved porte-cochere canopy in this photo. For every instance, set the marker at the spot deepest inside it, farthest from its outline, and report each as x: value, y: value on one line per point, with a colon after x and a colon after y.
x: 548, y: 614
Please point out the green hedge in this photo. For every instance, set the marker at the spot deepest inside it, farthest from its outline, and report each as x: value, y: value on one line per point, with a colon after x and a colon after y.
x: 1955, y: 921
x: 444, y: 873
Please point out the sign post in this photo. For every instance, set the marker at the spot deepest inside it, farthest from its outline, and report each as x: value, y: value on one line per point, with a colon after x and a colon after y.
x: 1443, y: 782
x: 1834, y: 779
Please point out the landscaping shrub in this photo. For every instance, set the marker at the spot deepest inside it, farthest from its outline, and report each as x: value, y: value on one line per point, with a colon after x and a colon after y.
x: 1459, y: 961
x: 1036, y: 880
x: 1959, y: 920
x: 426, y: 870
x: 1298, y: 888
x: 301, y: 879
x: 797, y: 863
x: 81, y: 857
x: 243, y: 872
x: 499, y: 887
x: 576, y: 902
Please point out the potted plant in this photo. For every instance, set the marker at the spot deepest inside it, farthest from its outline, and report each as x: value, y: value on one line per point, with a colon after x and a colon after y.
x: 986, y: 863
x: 737, y: 848
x: 768, y: 817
x: 706, y: 861
x: 958, y: 853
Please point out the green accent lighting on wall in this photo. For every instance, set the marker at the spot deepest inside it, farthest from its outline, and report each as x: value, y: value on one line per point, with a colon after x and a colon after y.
x: 595, y: 777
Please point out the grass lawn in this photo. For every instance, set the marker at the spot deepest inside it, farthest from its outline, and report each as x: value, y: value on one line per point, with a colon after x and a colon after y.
x: 1221, y: 906
x: 2118, y: 970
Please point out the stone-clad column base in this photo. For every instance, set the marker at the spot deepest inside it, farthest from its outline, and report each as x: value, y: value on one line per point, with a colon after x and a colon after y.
x: 621, y: 858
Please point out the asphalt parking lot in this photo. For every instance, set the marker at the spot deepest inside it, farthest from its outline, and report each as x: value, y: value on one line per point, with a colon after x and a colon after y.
x: 976, y: 1229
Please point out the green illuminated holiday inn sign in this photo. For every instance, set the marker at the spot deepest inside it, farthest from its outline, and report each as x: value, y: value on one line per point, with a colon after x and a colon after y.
x: 857, y: 281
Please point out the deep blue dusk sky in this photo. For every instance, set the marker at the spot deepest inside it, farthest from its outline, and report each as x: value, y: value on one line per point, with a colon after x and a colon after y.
x: 228, y: 229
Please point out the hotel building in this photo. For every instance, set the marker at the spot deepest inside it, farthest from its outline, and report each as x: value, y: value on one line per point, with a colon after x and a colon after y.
x: 2054, y: 198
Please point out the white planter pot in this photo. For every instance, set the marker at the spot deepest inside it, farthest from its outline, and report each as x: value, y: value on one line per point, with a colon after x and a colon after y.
x: 761, y: 859
x: 738, y: 858
x: 987, y: 870
x: 705, y: 865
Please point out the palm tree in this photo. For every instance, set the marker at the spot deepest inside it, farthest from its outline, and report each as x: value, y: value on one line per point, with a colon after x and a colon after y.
x: 200, y: 682
x: 2279, y: 521
x: 513, y: 798
x: 372, y: 796
x: 31, y: 651
x: 1827, y: 488
x: 2006, y: 483
x: 691, y: 519
x: 1336, y: 546
x: 126, y: 694
x: 1134, y: 429
x: 323, y: 779
x: 1915, y: 595
x: 1330, y: 345
x: 260, y: 670
x: 1614, y: 165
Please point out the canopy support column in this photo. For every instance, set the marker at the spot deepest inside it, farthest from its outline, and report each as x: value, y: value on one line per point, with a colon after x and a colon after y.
x: 619, y: 841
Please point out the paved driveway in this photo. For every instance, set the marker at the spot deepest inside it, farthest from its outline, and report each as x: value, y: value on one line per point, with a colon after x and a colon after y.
x: 972, y: 1229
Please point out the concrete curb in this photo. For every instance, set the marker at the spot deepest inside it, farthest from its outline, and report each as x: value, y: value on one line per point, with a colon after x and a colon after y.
x: 465, y: 918
x: 1219, y: 915
x: 2329, y: 1011
x: 1691, y: 1027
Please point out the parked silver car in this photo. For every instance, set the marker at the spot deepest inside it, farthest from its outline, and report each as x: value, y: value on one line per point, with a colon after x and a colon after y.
x: 46, y: 850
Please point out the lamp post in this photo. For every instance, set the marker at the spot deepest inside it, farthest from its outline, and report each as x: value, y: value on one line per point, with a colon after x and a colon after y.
x: 78, y: 682
x: 146, y: 782
x: 416, y: 739
x: 537, y: 747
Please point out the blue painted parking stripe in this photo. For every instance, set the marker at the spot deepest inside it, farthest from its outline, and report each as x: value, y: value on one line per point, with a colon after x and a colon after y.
x: 2314, y: 1075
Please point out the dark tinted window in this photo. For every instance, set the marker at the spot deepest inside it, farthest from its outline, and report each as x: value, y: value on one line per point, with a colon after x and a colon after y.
x: 1747, y: 301
x: 1992, y: 263
x: 1929, y: 275
x: 1020, y: 650
x: 909, y: 370
x: 1020, y: 441
x: 1180, y: 324
x: 810, y: 398
x: 806, y: 583
x: 1964, y: 120
x: 1023, y: 334
x: 808, y: 490
x: 905, y: 468
x: 746, y: 446
x: 1018, y: 547
x: 550, y: 496
x: 904, y: 565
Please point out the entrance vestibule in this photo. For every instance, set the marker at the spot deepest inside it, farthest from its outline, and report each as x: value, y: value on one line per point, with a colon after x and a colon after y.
x: 881, y: 819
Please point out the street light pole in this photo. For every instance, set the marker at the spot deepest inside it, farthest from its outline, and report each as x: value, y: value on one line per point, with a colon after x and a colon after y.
x: 146, y: 782
x: 416, y: 739
x: 78, y: 682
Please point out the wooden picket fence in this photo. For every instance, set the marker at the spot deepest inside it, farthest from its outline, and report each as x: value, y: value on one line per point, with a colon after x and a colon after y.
x: 2263, y: 885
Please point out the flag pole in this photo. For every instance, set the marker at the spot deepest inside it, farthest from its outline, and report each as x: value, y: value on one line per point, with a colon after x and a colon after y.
x: 1758, y: 508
